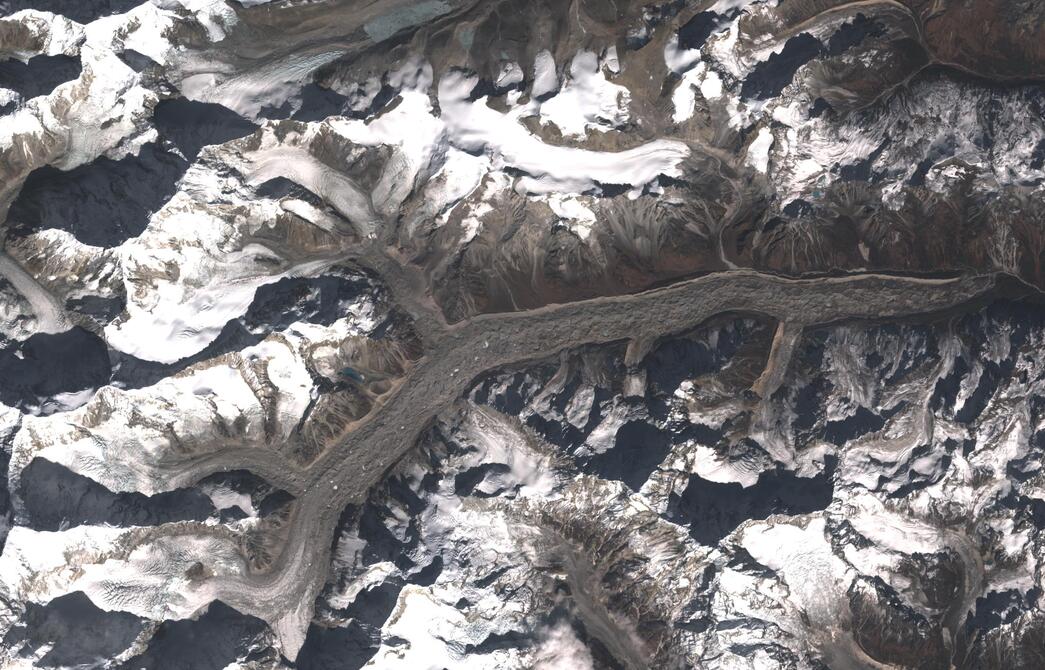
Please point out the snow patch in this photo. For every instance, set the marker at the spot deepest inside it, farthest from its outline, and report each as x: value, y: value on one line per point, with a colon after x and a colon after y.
x: 587, y: 100
x: 545, y: 79
x: 474, y: 127
x: 758, y: 152
x: 575, y: 211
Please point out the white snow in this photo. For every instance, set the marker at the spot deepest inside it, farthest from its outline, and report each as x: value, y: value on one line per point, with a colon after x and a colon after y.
x: 413, y: 128
x: 457, y: 179
x: 474, y: 127
x: 679, y: 60
x: 185, y: 311
x: 561, y: 650
x: 711, y: 86
x: 473, y: 222
x: 172, y: 315
x: 428, y: 625
x: 610, y: 60
x: 496, y: 441
x: 297, y: 165
x: 722, y: 47
x: 148, y: 580
x: 224, y: 497
x: 575, y: 211
x: 545, y: 79
x: 710, y: 466
x: 58, y: 35
x: 684, y: 97
x: 727, y: 6
x: 104, y: 439
x: 474, y: 210
x: 802, y: 556
x: 63, y: 402
x: 587, y: 100
x: 510, y: 75
x: 758, y: 151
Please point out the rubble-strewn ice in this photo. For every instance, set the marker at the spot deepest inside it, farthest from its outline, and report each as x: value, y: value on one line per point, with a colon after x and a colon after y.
x: 544, y: 334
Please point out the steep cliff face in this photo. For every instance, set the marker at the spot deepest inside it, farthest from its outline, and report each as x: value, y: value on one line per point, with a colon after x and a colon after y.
x: 272, y: 274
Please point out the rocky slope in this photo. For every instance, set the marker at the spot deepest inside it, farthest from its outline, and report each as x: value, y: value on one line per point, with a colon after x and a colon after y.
x: 308, y: 357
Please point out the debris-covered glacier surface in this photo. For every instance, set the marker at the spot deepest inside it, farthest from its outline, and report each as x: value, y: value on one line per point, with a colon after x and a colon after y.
x: 500, y: 334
